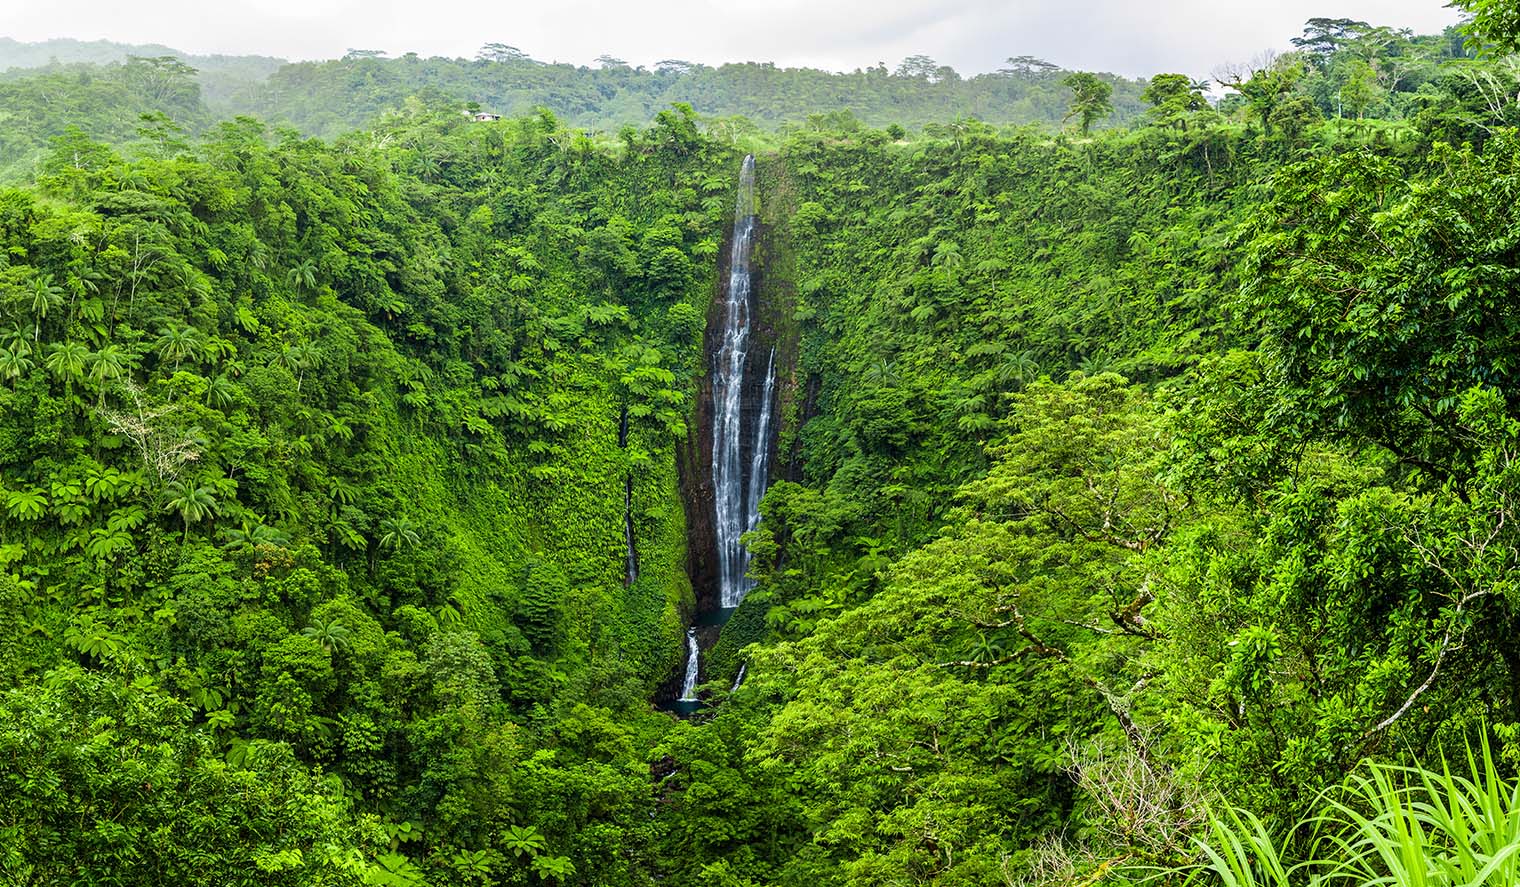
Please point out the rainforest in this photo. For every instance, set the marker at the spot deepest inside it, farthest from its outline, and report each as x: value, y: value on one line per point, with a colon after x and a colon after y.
x: 428, y: 472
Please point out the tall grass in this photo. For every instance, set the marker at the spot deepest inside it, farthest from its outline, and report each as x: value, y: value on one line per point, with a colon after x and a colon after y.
x: 1386, y: 826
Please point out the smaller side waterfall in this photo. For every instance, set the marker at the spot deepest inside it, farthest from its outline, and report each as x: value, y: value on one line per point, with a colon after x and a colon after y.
x: 632, y: 566
x: 758, y: 462
x: 693, y: 654
x: 739, y: 678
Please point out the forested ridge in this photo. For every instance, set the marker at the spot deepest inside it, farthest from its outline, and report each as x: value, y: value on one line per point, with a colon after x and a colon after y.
x: 1144, y: 510
x: 103, y: 88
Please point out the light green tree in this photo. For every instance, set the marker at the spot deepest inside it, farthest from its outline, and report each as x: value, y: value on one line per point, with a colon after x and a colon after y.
x: 193, y: 502
x: 45, y: 296
x: 177, y: 343
x: 1090, y: 99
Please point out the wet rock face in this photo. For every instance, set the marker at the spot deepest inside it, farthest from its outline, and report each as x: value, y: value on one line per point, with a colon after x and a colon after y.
x: 694, y: 474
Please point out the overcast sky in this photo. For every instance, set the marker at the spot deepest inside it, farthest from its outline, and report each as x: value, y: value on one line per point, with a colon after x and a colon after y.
x: 1132, y: 37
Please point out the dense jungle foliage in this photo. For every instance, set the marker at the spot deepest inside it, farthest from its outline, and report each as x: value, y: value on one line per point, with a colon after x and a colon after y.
x: 1149, y: 512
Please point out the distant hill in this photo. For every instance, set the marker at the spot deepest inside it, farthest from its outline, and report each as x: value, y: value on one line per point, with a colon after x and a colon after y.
x: 221, y: 76
x: 67, y: 51
x: 103, y: 88
x: 330, y: 97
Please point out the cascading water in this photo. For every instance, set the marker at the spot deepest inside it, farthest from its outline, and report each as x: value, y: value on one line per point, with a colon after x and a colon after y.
x: 631, y: 557
x: 742, y: 404
x: 631, y: 565
x: 689, y: 683
x: 760, y: 454
x: 738, y: 501
x: 739, y: 678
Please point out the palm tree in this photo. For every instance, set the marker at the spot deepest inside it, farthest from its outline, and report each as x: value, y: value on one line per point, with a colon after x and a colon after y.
x: 109, y: 363
x: 328, y: 634
x: 17, y: 340
x: 883, y: 372
x: 339, y: 494
x: 253, y: 534
x: 14, y: 364
x: 219, y: 350
x: 220, y: 392
x: 298, y: 359
x: 194, y: 502
x: 398, y: 532
x: 1097, y: 362
x: 1019, y: 367
x: 46, y: 295
x: 339, y: 429
x: 302, y: 276
x: 178, y: 343
x: 67, y: 360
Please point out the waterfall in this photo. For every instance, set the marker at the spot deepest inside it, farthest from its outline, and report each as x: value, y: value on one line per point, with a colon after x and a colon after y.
x: 631, y: 570
x: 739, y: 678
x: 631, y: 560
x: 760, y: 455
x: 689, y: 683
x: 738, y: 502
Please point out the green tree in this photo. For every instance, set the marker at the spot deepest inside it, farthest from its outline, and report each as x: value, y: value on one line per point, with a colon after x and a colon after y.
x: 1377, y: 319
x: 1173, y: 96
x: 1090, y: 99
x: 178, y: 342
x: 109, y: 364
x: 28, y: 504
x: 67, y: 360
x: 193, y: 502
x: 45, y: 296
x: 111, y: 782
x: 1360, y: 91
x: 330, y: 634
x: 302, y: 276
x: 1494, y: 22
x: 1266, y: 85
x: 399, y: 533
x: 14, y: 364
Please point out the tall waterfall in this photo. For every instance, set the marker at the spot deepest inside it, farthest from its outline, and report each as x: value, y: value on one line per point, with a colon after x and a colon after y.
x: 689, y: 683
x: 738, y: 497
